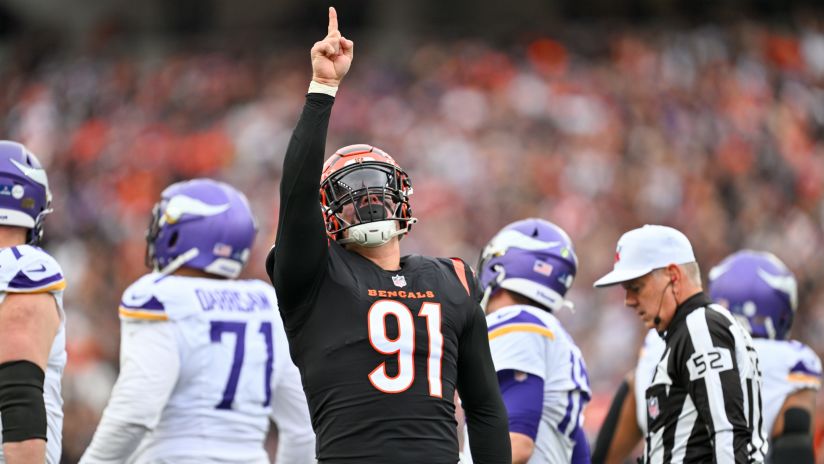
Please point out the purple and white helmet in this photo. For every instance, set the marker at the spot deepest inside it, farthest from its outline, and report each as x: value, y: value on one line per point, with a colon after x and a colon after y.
x: 759, y: 290
x: 531, y: 257
x: 25, y: 198
x: 201, y: 224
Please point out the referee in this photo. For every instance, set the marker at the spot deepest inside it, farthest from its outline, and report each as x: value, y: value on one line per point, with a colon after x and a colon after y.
x: 704, y: 401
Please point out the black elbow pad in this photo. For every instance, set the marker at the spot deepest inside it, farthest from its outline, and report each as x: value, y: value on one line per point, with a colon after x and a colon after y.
x: 21, y: 401
x: 795, y: 444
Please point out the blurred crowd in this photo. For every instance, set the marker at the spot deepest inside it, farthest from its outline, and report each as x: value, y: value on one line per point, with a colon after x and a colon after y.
x: 718, y: 131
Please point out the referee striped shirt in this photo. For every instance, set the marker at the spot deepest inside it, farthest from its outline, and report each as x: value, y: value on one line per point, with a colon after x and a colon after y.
x: 704, y: 402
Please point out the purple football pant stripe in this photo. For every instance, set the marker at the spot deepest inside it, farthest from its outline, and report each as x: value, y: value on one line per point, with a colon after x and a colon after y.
x: 567, y: 415
x: 580, y: 454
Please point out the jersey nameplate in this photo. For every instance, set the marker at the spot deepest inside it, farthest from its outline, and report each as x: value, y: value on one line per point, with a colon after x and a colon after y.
x: 400, y: 294
x: 233, y: 300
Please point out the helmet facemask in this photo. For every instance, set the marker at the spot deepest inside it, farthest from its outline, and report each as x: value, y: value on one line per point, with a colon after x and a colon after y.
x: 369, y: 201
x: 152, y: 233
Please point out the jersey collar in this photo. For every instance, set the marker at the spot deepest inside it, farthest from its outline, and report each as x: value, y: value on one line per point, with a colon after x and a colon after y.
x: 699, y: 300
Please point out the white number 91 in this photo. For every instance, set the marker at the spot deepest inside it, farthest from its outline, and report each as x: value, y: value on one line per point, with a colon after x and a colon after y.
x: 403, y: 346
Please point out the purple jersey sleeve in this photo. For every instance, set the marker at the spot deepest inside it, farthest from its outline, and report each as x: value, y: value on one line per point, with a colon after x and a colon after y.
x: 523, y: 396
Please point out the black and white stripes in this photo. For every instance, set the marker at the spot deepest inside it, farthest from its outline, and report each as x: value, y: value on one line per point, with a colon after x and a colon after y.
x: 704, y: 402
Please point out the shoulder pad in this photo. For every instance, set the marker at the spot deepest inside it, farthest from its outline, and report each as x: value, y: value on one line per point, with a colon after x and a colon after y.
x: 517, y: 320
x: 806, y: 366
x: 464, y: 274
x: 460, y: 271
x: 139, y: 301
x: 29, y: 269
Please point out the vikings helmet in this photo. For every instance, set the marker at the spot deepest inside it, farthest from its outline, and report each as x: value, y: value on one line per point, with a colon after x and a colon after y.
x: 202, y: 224
x: 25, y: 198
x: 533, y: 258
x: 364, y: 184
x: 759, y: 290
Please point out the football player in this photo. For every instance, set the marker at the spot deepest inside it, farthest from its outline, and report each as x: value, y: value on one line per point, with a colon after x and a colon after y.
x: 204, y: 362
x: 32, y: 321
x: 382, y: 341
x: 761, y: 292
x: 526, y: 271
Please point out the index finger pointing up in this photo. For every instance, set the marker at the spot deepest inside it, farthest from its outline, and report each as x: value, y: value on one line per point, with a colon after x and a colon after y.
x: 333, y: 21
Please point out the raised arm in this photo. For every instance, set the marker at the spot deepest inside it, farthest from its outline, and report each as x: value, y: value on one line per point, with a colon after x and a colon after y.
x: 301, y: 248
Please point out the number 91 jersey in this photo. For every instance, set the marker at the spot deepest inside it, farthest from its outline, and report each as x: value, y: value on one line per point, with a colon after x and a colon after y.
x: 381, y: 354
x: 232, y: 352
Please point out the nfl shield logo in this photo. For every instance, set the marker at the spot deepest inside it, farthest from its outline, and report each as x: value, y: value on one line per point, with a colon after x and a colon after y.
x: 652, y: 407
x: 399, y: 280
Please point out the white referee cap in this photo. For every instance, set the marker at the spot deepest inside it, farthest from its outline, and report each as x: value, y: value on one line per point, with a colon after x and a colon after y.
x: 642, y: 250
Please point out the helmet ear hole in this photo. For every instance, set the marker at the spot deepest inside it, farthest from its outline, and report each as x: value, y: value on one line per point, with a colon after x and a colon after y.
x: 173, y: 239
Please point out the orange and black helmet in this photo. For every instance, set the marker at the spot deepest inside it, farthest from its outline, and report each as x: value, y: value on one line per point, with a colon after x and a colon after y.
x: 362, y: 171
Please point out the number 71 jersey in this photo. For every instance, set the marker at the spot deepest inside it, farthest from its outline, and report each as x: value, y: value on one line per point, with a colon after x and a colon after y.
x: 233, y: 358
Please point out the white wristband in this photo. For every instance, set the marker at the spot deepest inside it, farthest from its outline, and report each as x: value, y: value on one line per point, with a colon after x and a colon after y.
x: 317, y: 87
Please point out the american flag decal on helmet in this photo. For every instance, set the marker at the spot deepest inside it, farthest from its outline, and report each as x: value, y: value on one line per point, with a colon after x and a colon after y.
x: 222, y: 249
x: 542, y: 267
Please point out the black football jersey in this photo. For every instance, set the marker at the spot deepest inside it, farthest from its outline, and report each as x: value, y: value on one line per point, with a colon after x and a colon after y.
x: 381, y: 353
x: 378, y: 351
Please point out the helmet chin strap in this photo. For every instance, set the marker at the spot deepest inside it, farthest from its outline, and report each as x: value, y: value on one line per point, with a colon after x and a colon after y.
x: 375, y: 234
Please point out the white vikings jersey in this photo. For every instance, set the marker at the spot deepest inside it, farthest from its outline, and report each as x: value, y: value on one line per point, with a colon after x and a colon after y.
x: 28, y: 269
x: 528, y: 339
x: 233, y: 365
x: 787, y: 366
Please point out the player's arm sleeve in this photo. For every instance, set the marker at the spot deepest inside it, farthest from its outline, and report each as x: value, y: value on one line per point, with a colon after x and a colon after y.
x: 290, y: 413
x: 149, y: 368
x: 519, y: 359
x: 523, y: 396
x: 301, y: 246
x: 708, y: 363
x: 486, y: 416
